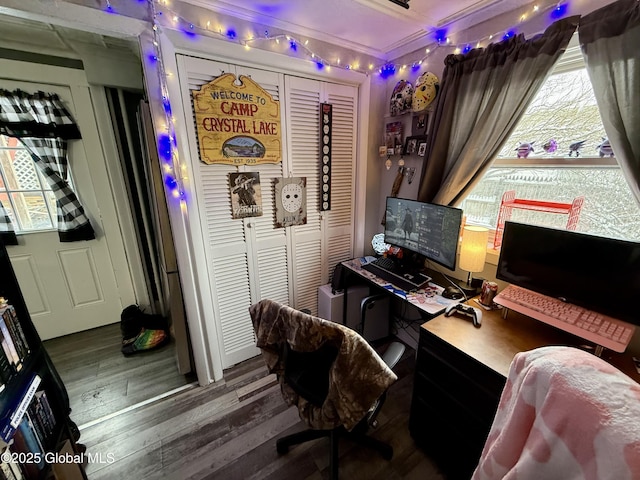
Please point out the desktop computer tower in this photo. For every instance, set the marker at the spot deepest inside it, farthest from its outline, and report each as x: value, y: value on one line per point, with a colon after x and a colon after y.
x: 330, y: 307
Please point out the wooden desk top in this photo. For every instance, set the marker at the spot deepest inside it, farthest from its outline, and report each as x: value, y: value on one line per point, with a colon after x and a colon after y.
x: 498, y: 340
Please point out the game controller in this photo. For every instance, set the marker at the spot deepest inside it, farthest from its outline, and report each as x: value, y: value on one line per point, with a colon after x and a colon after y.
x: 466, y: 310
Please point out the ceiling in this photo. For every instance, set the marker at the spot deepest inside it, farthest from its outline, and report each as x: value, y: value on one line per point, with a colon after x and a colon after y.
x: 376, y: 27
x: 48, y: 39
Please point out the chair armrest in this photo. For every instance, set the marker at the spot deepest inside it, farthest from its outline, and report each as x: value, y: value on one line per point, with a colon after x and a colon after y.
x: 393, y: 354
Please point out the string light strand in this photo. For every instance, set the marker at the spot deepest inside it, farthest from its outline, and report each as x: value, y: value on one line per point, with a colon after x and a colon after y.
x: 167, y: 145
x: 300, y: 48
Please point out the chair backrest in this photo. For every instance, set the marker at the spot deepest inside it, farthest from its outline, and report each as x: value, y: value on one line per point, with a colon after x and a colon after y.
x: 308, y: 372
x: 327, y: 370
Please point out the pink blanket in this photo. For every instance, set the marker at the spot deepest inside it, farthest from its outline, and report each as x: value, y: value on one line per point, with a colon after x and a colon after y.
x: 564, y: 414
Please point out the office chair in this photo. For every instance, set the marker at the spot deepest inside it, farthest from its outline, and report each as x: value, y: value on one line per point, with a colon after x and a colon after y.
x: 329, y: 372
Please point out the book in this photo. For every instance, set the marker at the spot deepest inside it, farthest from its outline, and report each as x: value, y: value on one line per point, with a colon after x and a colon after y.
x: 7, y: 370
x: 11, y: 469
x: 14, y: 416
x: 33, y: 439
x: 24, y: 441
x: 41, y: 416
x: 16, y: 469
x: 44, y: 406
x: 12, y: 354
x: 35, y: 417
x: 5, y: 471
x: 15, y: 328
x: 10, y: 465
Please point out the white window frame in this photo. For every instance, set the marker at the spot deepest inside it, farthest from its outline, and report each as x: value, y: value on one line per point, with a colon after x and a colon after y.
x: 44, y: 189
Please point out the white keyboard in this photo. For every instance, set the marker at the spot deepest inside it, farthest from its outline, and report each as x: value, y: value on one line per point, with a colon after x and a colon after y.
x: 606, y: 331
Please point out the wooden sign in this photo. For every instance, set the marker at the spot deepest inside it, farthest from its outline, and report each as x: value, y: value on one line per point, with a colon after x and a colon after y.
x: 237, y: 122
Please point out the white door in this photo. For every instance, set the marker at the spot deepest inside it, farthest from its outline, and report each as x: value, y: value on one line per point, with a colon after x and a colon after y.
x: 68, y: 287
x: 327, y: 238
x: 246, y: 258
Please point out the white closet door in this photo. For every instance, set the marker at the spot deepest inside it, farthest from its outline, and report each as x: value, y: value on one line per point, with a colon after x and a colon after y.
x: 327, y: 238
x: 303, y: 127
x: 224, y: 239
x: 339, y: 221
x: 268, y: 262
x: 246, y: 258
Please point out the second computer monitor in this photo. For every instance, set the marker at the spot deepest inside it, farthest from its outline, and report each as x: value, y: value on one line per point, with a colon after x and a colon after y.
x: 425, y: 228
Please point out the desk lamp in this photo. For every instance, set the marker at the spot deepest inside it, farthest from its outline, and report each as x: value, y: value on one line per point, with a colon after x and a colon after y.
x: 473, y: 253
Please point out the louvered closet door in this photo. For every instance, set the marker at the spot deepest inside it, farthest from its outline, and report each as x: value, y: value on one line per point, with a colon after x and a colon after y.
x: 268, y: 262
x: 339, y: 221
x: 327, y: 238
x: 303, y: 128
x: 246, y: 258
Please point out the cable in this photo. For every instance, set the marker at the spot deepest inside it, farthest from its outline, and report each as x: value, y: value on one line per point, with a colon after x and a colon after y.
x: 407, y: 327
x: 450, y: 281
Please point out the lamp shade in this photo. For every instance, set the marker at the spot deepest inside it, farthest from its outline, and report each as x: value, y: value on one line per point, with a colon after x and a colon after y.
x: 473, y: 250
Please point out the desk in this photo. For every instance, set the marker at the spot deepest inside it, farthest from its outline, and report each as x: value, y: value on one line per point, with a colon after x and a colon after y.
x: 460, y: 373
x: 428, y: 301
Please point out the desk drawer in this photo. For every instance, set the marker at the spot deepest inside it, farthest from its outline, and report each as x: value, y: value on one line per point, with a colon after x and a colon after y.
x: 460, y: 416
x: 455, y: 447
x: 467, y: 383
x: 454, y: 401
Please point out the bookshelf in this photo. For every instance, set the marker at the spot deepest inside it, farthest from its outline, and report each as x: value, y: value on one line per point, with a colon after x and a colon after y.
x: 37, y: 438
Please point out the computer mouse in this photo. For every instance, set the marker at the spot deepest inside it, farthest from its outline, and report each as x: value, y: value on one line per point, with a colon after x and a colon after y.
x: 452, y: 293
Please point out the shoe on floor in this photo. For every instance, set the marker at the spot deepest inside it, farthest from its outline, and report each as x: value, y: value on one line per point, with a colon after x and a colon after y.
x: 143, y: 342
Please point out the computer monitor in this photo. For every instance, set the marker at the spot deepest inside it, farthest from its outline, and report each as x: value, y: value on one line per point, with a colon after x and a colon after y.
x: 598, y: 273
x: 425, y: 228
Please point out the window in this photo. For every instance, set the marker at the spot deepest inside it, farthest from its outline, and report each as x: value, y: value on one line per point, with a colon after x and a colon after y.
x: 564, y: 112
x: 24, y: 193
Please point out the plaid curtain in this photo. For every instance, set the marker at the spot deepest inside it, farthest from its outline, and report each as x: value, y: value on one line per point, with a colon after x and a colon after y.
x: 43, y: 125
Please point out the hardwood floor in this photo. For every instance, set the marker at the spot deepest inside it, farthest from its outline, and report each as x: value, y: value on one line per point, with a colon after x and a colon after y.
x: 101, y: 381
x: 227, y: 430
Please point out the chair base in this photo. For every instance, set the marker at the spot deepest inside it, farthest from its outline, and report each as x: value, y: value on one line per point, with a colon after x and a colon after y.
x: 283, y: 444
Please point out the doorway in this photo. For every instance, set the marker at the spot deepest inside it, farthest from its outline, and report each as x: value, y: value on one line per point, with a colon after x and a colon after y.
x: 122, y: 266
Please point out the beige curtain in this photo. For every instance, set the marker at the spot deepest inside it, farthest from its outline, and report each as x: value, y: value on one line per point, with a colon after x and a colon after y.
x: 610, y: 39
x: 483, y: 95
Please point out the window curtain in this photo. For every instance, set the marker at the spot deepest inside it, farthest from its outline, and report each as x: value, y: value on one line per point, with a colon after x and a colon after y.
x: 43, y: 125
x: 609, y: 38
x: 483, y: 95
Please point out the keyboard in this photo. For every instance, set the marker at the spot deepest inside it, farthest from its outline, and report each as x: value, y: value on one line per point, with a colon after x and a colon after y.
x: 388, y: 270
x: 600, y: 329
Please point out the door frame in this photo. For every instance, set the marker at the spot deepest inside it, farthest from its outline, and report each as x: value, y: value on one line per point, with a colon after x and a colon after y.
x: 97, y: 164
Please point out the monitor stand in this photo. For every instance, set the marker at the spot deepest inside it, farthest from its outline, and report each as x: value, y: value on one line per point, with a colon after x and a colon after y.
x: 411, y: 262
x: 470, y: 290
x: 471, y: 287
